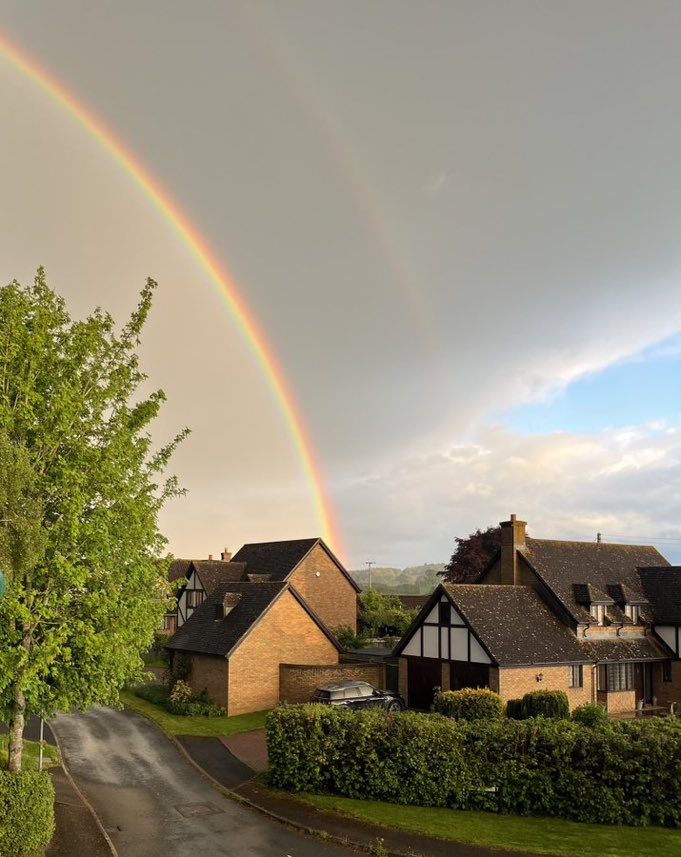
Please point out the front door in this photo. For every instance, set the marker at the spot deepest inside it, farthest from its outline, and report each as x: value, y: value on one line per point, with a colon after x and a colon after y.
x: 643, y: 682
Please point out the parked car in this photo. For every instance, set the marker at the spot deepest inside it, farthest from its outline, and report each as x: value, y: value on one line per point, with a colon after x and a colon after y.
x: 358, y: 694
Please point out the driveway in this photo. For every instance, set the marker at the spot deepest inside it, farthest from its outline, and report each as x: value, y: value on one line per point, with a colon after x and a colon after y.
x: 153, y: 803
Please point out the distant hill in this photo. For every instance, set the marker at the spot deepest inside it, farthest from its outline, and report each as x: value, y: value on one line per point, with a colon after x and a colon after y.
x: 415, y: 580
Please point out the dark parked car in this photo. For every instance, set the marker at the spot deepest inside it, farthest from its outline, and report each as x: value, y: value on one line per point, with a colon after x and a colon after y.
x: 358, y: 694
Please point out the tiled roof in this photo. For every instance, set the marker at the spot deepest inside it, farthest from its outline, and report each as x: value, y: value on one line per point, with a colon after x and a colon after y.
x: 561, y: 565
x: 205, y: 634
x: 515, y: 625
x: 413, y: 602
x: 277, y: 559
x: 613, y: 649
x: 212, y: 572
x: 662, y: 587
x: 179, y: 568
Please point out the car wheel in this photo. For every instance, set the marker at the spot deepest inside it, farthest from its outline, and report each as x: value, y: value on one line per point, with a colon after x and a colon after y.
x: 394, y: 705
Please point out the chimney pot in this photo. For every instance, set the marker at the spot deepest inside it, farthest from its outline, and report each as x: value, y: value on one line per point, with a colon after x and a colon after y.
x: 210, y: 556
x: 225, y: 556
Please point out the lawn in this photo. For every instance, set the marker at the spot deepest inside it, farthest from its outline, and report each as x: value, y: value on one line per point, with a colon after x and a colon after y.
x: 206, y: 727
x: 535, y: 835
x: 30, y: 757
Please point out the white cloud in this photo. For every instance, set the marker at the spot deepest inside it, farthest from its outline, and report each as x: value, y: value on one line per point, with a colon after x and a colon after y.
x: 565, y: 485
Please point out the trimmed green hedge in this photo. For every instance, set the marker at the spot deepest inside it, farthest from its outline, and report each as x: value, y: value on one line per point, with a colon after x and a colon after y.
x: 26, y: 812
x: 469, y: 704
x: 591, y: 714
x: 545, y: 703
x: 629, y: 773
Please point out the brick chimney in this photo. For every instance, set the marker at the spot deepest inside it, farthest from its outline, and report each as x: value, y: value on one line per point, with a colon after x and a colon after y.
x: 225, y: 556
x: 210, y: 557
x: 512, y: 540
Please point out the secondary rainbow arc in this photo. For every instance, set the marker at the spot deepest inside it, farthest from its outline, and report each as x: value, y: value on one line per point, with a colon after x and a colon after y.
x: 216, y: 271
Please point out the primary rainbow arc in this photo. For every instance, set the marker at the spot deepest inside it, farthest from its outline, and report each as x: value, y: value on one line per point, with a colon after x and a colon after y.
x: 217, y: 274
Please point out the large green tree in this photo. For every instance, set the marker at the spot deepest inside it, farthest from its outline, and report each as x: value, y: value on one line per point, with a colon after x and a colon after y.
x: 81, y: 485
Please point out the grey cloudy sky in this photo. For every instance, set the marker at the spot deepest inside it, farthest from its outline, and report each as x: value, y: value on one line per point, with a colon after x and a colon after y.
x: 438, y: 212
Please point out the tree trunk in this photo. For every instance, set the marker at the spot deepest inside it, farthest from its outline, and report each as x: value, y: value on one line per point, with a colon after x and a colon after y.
x: 16, y: 729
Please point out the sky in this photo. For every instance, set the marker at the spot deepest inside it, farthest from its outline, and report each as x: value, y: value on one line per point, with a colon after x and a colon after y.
x: 455, y: 225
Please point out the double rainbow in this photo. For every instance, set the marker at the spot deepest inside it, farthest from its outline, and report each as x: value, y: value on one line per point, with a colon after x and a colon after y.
x: 216, y: 272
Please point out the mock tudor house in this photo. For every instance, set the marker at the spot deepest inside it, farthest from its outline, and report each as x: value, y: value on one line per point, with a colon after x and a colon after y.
x: 598, y: 621
x: 243, y: 622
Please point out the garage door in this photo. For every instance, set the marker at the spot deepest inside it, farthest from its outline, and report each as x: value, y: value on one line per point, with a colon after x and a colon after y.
x: 425, y: 674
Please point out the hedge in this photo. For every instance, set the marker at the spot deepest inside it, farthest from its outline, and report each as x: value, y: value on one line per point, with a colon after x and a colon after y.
x: 545, y: 703
x: 469, y: 704
x: 629, y: 773
x: 26, y: 812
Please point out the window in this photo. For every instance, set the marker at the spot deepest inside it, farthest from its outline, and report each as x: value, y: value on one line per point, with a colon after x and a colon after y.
x: 170, y: 622
x: 666, y: 670
x: 620, y: 677
x: 445, y: 613
x: 576, y: 676
x: 195, y: 597
x: 598, y: 612
x: 631, y: 610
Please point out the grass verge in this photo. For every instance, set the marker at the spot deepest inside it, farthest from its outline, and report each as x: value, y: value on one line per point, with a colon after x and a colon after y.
x: 535, y: 835
x: 30, y: 756
x: 206, y: 727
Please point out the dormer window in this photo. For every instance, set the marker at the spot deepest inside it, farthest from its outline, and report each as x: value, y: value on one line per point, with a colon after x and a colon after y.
x: 598, y: 612
x: 631, y: 610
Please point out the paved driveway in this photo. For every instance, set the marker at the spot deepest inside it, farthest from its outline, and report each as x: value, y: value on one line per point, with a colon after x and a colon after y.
x: 154, y: 804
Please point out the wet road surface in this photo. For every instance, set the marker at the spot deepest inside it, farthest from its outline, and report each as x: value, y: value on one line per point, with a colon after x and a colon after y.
x: 153, y: 803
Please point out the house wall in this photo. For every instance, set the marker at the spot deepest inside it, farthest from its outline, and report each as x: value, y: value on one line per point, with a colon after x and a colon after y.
x: 326, y: 589
x: 285, y: 634
x: 667, y: 691
x: 617, y: 701
x: 210, y: 672
x: 515, y: 682
x: 298, y: 682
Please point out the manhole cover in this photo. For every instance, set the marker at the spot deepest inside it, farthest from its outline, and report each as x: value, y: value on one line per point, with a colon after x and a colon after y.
x: 192, y: 810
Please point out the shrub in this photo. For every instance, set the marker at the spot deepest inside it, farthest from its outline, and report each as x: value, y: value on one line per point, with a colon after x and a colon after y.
x: 514, y: 709
x: 26, y: 813
x: 347, y: 638
x: 591, y: 714
x: 545, y: 703
x: 183, y: 704
x: 625, y: 774
x: 181, y: 692
x: 468, y: 704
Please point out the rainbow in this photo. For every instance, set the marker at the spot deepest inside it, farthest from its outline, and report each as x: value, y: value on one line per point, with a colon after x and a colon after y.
x: 208, y: 261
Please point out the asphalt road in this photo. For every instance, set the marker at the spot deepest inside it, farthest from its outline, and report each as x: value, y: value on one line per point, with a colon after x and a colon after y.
x: 153, y: 803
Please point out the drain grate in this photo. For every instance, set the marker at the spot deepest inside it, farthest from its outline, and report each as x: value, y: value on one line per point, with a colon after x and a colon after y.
x: 194, y: 810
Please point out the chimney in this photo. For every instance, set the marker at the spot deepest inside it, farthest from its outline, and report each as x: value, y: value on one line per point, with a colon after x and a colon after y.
x: 210, y: 557
x: 512, y: 540
x: 228, y: 604
x: 225, y: 556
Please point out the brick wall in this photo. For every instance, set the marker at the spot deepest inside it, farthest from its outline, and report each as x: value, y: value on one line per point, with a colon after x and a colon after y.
x: 515, y: 682
x: 667, y: 691
x: 326, y: 589
x: 209, y: 672
x: 285, y: 634
x: 403, y: 667
x: 297, y: 682
x: 619, y: 700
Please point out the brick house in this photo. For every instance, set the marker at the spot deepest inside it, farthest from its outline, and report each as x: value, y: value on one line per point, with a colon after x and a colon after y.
x: 236, y: 640
x: 598, y: 621
x: 253, y: 626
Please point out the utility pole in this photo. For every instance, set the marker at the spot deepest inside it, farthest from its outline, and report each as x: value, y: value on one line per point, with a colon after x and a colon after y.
x: 368, y: 564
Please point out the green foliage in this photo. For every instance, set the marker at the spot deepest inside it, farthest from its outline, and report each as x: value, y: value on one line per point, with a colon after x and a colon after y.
x: 514, y: 709
x: 545, y: 703
x: 26, y: 813
x: 347, y: 638
x: 382, y: 615
x: 626, y: 774
x: 181, y: 700
x: 591, y: 714
x: 79, y: 500
x: 414, y: 580
x: 469, y: 704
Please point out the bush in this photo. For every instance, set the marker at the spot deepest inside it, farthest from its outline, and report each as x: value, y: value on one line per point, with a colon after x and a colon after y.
x: 514, y: 709
x: 591, y: 714
x: 178, y: 702
x: 26, y: 813
x: 545, y: 703
x: 468, y: 704
x: 625, y: 774
x: 347, y: 638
